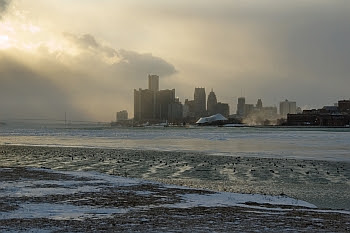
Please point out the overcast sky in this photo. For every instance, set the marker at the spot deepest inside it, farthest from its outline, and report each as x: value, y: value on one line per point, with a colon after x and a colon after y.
x: 85, y: 57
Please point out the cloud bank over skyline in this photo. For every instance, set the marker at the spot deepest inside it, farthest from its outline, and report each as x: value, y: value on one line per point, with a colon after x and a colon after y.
x: 86, y: 57
x: 87, y: 82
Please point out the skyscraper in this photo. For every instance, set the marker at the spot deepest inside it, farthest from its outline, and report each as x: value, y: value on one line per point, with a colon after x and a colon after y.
x: 144, y: 102
x: 223, y: 109
x: 287, y: 107
x: 200, y: 102
x: 152, y: 104
x: 163, y: 99
x: 153, y: 82
x: 211, y: 104
x: 259, y: 104
x: 241, y: 106
x: 175, y: 111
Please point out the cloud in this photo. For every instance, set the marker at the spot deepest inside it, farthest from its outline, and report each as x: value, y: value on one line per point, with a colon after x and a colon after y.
x: 271, y: 49
x: 88, y: 42
x: 144, y: 63
x: 44, y: 83
x: 3, y: 6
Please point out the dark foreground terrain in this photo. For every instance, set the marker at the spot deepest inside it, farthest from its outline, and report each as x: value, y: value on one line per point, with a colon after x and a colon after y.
x: 43, y: 200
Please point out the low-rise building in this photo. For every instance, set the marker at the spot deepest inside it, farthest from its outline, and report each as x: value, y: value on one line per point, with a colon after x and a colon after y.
x: 328, y: 116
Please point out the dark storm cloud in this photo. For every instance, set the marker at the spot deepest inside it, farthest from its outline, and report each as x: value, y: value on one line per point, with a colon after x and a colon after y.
x: 144, y: 64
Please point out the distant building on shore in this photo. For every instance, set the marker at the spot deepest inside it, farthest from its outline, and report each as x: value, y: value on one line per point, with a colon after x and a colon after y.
x: 259, y: 104
x: 241, y: 107
x: 144, y: 105
x: 200, y: 108
x: 122, y: 116
x: 215, y: 107
x: 163, y: 99
x: 248, y: 109
x: 329, y: 116
x: 153, y: 82
x: 287, y: 107
x: 175, y: 112
x: 344, y: 106
x: 211, y: 103
x: 223, y: 109
x: 152, y: 104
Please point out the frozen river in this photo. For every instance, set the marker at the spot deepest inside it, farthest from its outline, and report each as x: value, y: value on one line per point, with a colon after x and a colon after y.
x: 300, y: 143
x: 307, y: 164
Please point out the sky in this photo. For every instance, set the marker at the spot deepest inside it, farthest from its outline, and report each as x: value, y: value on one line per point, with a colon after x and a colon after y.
x: 85, y: 57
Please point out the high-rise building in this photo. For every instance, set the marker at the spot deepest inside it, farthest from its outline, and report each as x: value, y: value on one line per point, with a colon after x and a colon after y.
x: 223, y: 109
x: 200, y: 102
x: 122, y: 116
x: 175, y: 111
x: 144, y: 103
x: 153, y: 82
x: 152, y: 104
x: 287, y: 107
x: 188, y: 109
x: 248, y: 109
x: 163, y: 99
x: 241, y: 107
x: 211, y: 104
x: 259, y: 104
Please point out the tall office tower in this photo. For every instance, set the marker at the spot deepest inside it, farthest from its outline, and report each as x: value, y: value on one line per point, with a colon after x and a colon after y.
x: 259, y: 104
x: 153, y: 82
x: 200, y: 102
x: 223, y: 109
x: 241, y: 106
x: 144, y: 102
x: 211, y: 104
x: 188, y: 110
x: 163, y: 99
x: 287, y: 107
x: 248, y: 109
x: 175, y: 111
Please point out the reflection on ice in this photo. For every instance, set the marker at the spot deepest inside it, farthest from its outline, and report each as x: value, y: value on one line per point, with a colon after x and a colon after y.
x: 319, y: 144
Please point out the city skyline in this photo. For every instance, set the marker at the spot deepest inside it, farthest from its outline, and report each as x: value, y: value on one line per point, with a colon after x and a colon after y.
x: 89, y: 66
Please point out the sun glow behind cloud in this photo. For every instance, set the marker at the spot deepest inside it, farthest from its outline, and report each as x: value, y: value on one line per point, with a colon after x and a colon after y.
x: 18, y: 31
x: 97, y: 52
x: 47, y: 70
x: 4, y: 42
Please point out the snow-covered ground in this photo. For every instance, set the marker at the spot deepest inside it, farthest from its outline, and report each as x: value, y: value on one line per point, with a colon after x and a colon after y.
x: 325, y: 184
x: 32, y: 199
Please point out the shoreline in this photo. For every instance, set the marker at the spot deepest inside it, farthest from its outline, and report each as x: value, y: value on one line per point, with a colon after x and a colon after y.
x: 299, y: 179
x: 44, y: 200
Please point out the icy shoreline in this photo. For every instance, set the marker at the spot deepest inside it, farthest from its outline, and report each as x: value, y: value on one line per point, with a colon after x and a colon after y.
x: 323, y: 183
x: 33, y: 199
